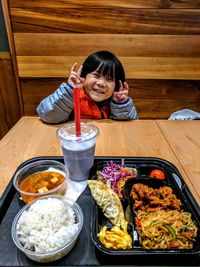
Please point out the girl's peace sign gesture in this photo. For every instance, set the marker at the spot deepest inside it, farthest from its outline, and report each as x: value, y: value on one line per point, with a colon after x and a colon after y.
x: 75, y: 79
x: 122, y: 95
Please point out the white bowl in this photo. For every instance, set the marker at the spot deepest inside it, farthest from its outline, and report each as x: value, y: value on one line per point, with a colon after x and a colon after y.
x: 56, y: 253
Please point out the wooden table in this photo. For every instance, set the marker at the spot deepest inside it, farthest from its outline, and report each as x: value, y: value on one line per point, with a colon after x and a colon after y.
x: 144, y: 138
x: 183, y: 138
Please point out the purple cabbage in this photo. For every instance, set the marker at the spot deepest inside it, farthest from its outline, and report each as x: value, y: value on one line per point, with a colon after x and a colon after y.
x: 112, y: 173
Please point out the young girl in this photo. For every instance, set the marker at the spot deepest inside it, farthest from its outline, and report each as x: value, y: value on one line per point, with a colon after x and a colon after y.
x: 103, y: 92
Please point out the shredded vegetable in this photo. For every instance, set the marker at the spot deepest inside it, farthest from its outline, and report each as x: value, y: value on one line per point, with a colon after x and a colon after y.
x: 113, y: 174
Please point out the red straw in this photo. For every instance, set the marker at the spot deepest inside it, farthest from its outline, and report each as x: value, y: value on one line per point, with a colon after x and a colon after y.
x: 77, y: 111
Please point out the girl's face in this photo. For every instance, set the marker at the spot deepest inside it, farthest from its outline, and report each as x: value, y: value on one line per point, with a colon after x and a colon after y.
x: 98, y: 87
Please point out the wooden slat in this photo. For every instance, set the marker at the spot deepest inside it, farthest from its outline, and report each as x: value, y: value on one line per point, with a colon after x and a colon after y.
x: 106, y: 20
x: 106, y: 3
x: 135, y: 67
x: 10, y: 107
x: 5, y: 9
x: 153, y: 98
x: 143, y: 57
x: 5, y: 55
x: 164, y: 89
x: 147, y: 108
x: 161, y: 109
x: 159, y: 89
x: 124, y: 45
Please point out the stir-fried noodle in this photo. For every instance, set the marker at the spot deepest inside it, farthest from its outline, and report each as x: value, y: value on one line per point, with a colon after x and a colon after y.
x: 166, y: 229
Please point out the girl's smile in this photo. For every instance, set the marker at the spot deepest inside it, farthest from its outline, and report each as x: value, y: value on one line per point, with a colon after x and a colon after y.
x: 98, y: 87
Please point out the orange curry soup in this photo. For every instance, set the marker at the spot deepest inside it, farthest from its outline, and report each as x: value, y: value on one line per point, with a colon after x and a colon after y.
x: 42, y: 182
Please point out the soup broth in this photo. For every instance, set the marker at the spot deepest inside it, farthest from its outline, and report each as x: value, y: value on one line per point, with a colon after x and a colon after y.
x: 41, y: 182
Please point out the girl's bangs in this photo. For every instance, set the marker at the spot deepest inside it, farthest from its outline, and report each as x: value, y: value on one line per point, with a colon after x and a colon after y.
x: 106, y: 69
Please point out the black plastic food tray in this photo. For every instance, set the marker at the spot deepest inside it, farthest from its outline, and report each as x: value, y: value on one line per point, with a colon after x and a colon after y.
x: 88, y: 252
x: 173, y: 179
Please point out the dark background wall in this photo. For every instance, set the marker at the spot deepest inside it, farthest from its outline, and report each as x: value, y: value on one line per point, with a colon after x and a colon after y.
x: 4, y: 47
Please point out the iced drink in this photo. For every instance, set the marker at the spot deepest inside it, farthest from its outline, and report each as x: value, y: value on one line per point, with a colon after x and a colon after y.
x: 78, y: 152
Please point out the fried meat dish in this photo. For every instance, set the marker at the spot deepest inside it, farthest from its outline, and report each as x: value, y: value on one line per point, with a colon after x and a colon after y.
x: 150, y: 199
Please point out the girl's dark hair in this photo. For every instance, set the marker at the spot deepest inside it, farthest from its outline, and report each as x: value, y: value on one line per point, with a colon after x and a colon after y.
x: 106, y: 64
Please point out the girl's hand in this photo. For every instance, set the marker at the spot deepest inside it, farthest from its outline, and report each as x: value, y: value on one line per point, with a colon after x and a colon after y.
x: 122, y: 95
x: 75, y: 79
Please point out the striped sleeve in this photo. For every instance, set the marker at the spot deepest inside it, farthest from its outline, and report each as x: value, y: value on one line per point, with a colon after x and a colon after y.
x: 58, y: 106
x: 123, y: 111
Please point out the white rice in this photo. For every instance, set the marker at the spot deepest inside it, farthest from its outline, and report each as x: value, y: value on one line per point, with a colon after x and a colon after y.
x: 47, y: 225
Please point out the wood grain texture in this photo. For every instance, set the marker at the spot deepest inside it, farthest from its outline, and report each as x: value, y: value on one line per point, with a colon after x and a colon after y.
x: 162, y: 109
x: 135, y: 67
x: 162, y: 57
x: 155, y: 40
x: 135, y: 138
x: 183, y: 137
x: 100, y: 20
x: 123, y: 45
x: 108, y: 3
x: 7, y: 19
x: 153, y: 98
x: 10, y: 107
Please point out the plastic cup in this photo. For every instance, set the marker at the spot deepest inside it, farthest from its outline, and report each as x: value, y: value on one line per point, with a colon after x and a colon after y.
x: 78, y: 152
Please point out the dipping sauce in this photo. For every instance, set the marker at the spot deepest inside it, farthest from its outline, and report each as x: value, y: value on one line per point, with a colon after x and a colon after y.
x: 42, y: 183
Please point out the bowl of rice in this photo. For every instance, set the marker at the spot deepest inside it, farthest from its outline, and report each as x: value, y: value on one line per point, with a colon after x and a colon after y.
x: 47, y: 228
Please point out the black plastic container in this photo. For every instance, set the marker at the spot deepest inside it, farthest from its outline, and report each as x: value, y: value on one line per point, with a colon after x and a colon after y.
x: 137, y: 253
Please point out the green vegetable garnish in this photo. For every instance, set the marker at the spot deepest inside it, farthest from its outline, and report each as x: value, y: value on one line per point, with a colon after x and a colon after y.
x: 171, y: 230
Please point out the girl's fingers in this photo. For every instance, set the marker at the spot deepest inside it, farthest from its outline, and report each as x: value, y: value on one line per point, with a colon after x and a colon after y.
x: 126, y: 86
x: 80, y: 70
x: 77, y: 79
x: 122, y: 86
x: 73, y: 68
x: 73, y: 71
x: 124, y: 92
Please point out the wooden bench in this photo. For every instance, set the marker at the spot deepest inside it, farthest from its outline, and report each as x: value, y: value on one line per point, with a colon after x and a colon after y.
x: 158, y: 43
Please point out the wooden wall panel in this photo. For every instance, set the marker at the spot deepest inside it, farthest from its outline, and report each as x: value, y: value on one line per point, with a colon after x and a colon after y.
x: 99, y: 20
x: 135, y: 67
x: 10, y: 107
x: 124, y: 45
x: 107, y: 3
x: 162, y: 56
x: 157, y: 41
x: 160, y: 101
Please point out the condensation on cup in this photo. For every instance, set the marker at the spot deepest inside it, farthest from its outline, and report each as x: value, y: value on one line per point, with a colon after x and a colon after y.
x: 78, y: 152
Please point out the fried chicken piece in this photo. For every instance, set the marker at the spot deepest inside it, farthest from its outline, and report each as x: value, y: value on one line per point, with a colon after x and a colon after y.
x: 134, y: 195
x: 165, y: 190
x: 140, y: 189
x: 149, y: 198
x: 157, y: 202
x: 137, y: 204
